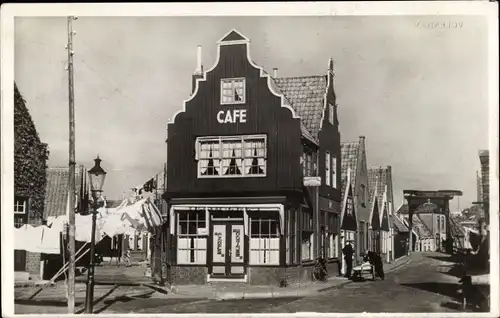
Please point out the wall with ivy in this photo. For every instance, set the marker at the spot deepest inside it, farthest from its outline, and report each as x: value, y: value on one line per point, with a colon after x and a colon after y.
x: 30, y: 158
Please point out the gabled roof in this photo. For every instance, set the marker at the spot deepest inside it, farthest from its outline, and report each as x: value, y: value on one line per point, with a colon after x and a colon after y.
x: 233, y: 35
x: 349, y: 159
x: 306, y: 95
x: 56, y: 193
x: 374, y: 212
x: 398, y: 225
x: 348, y: 222
x: 380, y: 174
x: 384, y: 215
x: 419, y: 227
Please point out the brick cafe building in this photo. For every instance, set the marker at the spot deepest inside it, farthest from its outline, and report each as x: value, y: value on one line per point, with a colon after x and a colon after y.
x: 253, y: 174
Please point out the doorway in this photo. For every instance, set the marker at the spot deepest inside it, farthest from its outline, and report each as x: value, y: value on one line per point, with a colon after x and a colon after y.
x: 228, y: 250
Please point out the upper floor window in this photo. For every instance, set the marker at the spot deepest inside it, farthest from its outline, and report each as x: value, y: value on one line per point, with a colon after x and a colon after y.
x: 362, y: 190
x: 349, y: 206
x: 238, y: 156
x: 308, y: 163
x: 327, y: 168
x: 334, y: 171
x: 331, y: 112
x: 232, y: 91
x: 19, y: 206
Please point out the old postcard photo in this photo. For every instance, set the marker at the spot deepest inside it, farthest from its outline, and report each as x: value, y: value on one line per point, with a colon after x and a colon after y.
x: 270, y: 158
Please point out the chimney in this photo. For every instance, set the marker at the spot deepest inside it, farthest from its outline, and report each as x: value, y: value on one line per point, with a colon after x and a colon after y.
x: 275, y: 72
x: 199, y: 66
x: 198, y: 73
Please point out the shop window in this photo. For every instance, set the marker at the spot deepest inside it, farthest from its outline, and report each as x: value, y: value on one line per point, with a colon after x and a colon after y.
x: 307, y: 245
x: 264, y: 240
x: 332, y: 242
x: 327, y: 168
x: 223, y: 157
x: 191, y: 246
x: 232, y: 91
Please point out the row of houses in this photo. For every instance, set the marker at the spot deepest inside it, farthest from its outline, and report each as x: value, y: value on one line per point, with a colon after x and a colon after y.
x: 259, y: 182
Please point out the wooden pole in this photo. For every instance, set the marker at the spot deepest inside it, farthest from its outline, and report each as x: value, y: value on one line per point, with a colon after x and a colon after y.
x: 71, y: 183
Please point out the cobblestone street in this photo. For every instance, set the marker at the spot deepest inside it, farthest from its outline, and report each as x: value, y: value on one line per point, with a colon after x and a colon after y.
x: 420, y: 286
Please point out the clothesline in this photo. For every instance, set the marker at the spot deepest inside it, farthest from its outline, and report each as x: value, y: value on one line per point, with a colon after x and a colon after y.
x: 128, y: 218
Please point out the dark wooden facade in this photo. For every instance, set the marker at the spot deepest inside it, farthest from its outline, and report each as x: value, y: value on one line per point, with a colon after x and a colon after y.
x: 265, y: 115
x: 304, y: 210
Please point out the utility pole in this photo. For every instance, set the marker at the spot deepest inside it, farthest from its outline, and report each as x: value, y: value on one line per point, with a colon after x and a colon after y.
x: 71, y: 183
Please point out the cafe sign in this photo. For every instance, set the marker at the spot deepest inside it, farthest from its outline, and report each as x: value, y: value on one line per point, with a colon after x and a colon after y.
x: 232, y: 116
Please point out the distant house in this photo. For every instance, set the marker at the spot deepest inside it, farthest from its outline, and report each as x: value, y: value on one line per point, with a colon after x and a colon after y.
x: 425, y: 240
x: 401, y: 236
x: 381, y: 190
x: 57, y: 204
x: 354, y: 162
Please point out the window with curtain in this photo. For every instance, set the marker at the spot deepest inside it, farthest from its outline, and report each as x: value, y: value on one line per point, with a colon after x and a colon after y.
x: 232, y: 91
x: 236, y: 156
x: 264, y: 239
x: 331, y: 113
x: 306, y: 225
x: 308, y: 163
x: 191, y: 247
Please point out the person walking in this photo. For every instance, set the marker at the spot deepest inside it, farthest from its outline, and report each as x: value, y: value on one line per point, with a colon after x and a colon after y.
x: 348, y: 252
x: 127, y: 258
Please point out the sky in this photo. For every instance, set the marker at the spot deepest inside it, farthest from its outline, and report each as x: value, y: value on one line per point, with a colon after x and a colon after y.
x: 415, y: 86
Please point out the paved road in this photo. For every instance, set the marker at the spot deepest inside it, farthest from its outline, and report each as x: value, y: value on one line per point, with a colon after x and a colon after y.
x: 420, y: 286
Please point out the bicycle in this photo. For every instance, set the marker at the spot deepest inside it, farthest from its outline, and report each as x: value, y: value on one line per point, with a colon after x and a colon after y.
x: 320, y: 273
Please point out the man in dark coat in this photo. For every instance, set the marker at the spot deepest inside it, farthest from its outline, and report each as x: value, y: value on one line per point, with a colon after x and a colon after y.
x: 379, y: 265
x: 348, y: 252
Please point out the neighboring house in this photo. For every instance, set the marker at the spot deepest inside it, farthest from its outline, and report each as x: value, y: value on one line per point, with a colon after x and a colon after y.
x: 354, y: 160
x: 374, y: 229
x: 253, y: 173
x: 380, y: 186
x: 425, y: 239
x: 56, y: 204
x: 30, y: 157
x: 401, y: 237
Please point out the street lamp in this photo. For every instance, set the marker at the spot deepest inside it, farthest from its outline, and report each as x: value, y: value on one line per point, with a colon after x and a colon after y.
x: 96, y: 177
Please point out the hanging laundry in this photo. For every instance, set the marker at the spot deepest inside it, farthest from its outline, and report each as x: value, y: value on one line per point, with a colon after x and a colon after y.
x: 50, y: 241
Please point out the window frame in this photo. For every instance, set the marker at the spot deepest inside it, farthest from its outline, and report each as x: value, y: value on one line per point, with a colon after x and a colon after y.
x: 271, y: 218
x: 333, y: 161
x: 232, y: 80
x: 24, y: 205
x: 191, y: 237
x: 221, y: 139
x: 327, y: 168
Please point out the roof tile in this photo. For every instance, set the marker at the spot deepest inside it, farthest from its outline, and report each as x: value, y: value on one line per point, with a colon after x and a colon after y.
x: 56, y: 190
x: 306, y: 96
x: 349, y: 160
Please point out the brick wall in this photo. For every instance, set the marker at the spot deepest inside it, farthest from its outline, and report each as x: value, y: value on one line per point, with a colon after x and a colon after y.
x: 189, y: 275
x: 33, y: 259
x: 272, y: 276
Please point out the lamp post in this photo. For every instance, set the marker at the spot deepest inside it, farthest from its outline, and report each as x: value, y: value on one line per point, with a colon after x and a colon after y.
x: 96, y: 177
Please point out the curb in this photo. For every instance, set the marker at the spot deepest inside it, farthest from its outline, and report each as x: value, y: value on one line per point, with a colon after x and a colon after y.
x: 284, y: 293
